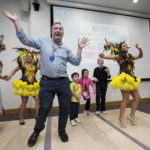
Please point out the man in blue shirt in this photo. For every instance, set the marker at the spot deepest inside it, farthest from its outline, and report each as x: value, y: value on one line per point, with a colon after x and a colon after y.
x: 54, y: 57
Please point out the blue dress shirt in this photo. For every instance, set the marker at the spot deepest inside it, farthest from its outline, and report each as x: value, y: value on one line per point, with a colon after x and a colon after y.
x: 57, y: 67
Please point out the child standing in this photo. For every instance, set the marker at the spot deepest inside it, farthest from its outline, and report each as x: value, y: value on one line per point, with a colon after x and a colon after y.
x: 75, y: 101
x: 85, y: 82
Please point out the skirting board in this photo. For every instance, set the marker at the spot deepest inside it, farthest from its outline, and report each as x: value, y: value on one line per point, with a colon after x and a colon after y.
x: 56, y: 108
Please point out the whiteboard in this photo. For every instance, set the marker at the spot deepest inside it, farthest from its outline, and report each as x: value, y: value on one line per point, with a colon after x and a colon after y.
x: 97, y: 26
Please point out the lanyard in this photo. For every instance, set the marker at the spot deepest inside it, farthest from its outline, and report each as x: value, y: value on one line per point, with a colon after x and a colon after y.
x: 52, y: 57
x: 54, y: 48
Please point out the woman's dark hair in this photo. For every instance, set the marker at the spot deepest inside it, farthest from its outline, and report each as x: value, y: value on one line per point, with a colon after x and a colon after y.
x: 74, y: 74
x: 120, y: 45
x: 83, y: 70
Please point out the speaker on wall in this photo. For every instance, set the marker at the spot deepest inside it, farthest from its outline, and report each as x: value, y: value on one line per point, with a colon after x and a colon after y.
x: 36, y: 5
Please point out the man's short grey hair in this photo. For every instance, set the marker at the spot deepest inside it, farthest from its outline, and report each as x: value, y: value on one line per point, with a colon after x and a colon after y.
x: 57, y: 23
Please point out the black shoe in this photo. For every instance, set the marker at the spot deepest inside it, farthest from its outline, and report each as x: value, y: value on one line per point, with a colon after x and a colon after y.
x: 22, y: 123
x: 33, y: 138
x: 63, y: 137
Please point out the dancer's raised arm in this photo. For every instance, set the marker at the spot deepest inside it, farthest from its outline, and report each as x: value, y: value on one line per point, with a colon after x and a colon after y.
x: 140, y: 52
x: 114, y: 57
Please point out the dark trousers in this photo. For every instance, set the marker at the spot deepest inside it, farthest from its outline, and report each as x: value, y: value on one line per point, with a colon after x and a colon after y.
x: 100, y: 95
x: 74, y: 111
x: 87, y: 104
x: 48, y: 89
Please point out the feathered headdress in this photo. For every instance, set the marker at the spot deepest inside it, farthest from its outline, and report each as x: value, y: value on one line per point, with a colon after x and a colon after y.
x: 114, y: 47
x: 2, y: 45
x: 116, y: 50
x: 22, y: 55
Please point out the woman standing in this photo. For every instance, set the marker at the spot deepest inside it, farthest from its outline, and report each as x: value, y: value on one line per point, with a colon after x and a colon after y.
x: 126, y: 81
x: 27, y: 86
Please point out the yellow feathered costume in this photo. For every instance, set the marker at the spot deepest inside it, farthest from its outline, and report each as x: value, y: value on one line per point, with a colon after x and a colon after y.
x: 27, y: 85
x: 126, y: 80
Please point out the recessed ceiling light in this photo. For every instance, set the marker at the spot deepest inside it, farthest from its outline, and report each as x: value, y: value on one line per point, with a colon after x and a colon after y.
x: 135, y: 1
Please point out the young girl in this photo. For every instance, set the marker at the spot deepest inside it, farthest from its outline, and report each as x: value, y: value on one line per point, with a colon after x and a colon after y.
x: 85, y: 82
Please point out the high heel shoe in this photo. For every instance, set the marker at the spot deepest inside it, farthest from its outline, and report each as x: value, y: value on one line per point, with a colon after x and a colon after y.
x: 132, y: 120
x: 121, y: 122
